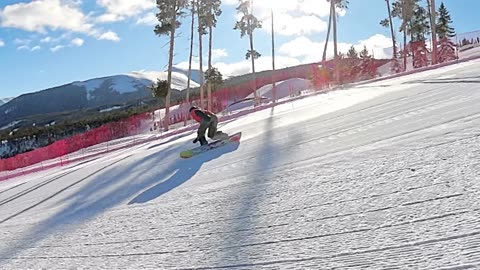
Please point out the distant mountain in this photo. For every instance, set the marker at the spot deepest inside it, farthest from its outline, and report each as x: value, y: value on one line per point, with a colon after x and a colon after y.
x: 5, y: 100
x: 94, y: 93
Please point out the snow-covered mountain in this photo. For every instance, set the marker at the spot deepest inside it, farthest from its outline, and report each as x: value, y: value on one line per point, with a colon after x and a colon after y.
x: 5, y: 100
x: 131, y: 82
x: 93, y: 93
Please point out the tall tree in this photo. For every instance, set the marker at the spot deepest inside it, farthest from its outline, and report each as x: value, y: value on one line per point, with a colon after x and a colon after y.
x: 202, y: 30
x: 247, y: 25
x: 334, y: 4
x: 325, y: 46
x: 445, y: 32
x: 444, y: 29
x: 190, y: 58
x: 403, y: 9
x: 388, y: 22
x: 168, y: 16
x: 419, y: 24
x: 274, y: 90
x: 212, y: 12
x: 431, y: 16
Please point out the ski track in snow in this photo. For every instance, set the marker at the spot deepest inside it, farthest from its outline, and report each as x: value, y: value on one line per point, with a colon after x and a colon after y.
x: 387, y: 182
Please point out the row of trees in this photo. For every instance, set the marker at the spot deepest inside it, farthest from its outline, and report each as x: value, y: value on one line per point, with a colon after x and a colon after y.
x: 418, y: 19
x: 205, y: 14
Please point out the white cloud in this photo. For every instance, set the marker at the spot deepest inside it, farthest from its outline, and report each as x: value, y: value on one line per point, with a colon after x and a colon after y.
x: 380, y: 44
x: 2, y: 43
x: 57, y: 48
x: 219, y: 53
x: 109, y: 36
x: 50, y: 15
x: 288, y: 25
x: 26, y: 47
x: 19, y: 41
x: 148, y: 19
x: 310, y: 51
x: 106, y: 18
x: 230, y: 2
x: 117, y: 10
x: 292, y: 17
x: 37, y: 16
x: 46, y: 40
x: 77, y: 42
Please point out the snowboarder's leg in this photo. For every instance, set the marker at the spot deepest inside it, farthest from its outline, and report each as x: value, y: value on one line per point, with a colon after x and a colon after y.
x: 201, y: 132
x: 212, y: 128
x: 213, y: 133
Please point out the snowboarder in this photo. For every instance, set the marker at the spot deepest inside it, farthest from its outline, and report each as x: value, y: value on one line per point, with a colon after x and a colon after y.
x: 207, y: 120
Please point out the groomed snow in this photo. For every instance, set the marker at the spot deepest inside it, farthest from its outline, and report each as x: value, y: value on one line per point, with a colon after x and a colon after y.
x: 382, y: 175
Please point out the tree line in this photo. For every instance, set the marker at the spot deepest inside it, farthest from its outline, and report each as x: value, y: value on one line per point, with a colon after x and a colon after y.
x: 204, y: 15
x: 417, y: 19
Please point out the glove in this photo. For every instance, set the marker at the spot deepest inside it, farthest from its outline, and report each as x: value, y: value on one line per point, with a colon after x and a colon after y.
x: 196, y: 140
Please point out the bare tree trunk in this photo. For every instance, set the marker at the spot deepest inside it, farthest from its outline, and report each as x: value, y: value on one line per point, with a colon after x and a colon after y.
x: 392, y: 32
x: 252, y: 56
x: 254, y: 77
x: 404, y: 46
x: 191, y: 53
x: 434, y: 32
x: 210, y: 45
x: 324, y: 57
x: 274, y: 94
x: 209, y: 85
x: 200, y: 56
x: 169, y: 73
x: 335, y: 44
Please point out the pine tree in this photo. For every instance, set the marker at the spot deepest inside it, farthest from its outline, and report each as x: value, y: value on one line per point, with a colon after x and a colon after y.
x: 446, y: 48
x: 420, y: 53
x: 212, y: 12
x: 388, y: 22
x: 419, y: 25
x: 364, y: 53
x: 352, y: 53
x: 169, y: 13
x: 247, y: 25
x: 443, y: 24
x: 404, y: 10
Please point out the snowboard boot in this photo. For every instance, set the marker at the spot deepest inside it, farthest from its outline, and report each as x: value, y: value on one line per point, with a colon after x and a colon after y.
x: 220, y: 136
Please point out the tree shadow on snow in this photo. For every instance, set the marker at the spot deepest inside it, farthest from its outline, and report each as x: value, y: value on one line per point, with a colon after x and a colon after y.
x: 253, y: 195
x: 152, y: 176
x: 184, y: 171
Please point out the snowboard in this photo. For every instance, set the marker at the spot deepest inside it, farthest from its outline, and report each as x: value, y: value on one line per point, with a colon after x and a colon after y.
x: 204, y: 148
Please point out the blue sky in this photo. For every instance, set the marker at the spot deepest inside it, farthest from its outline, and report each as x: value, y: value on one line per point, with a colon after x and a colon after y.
x: 46, y: 43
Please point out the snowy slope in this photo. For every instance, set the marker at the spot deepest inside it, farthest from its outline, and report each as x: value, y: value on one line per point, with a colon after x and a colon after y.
x: 384, y: 175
